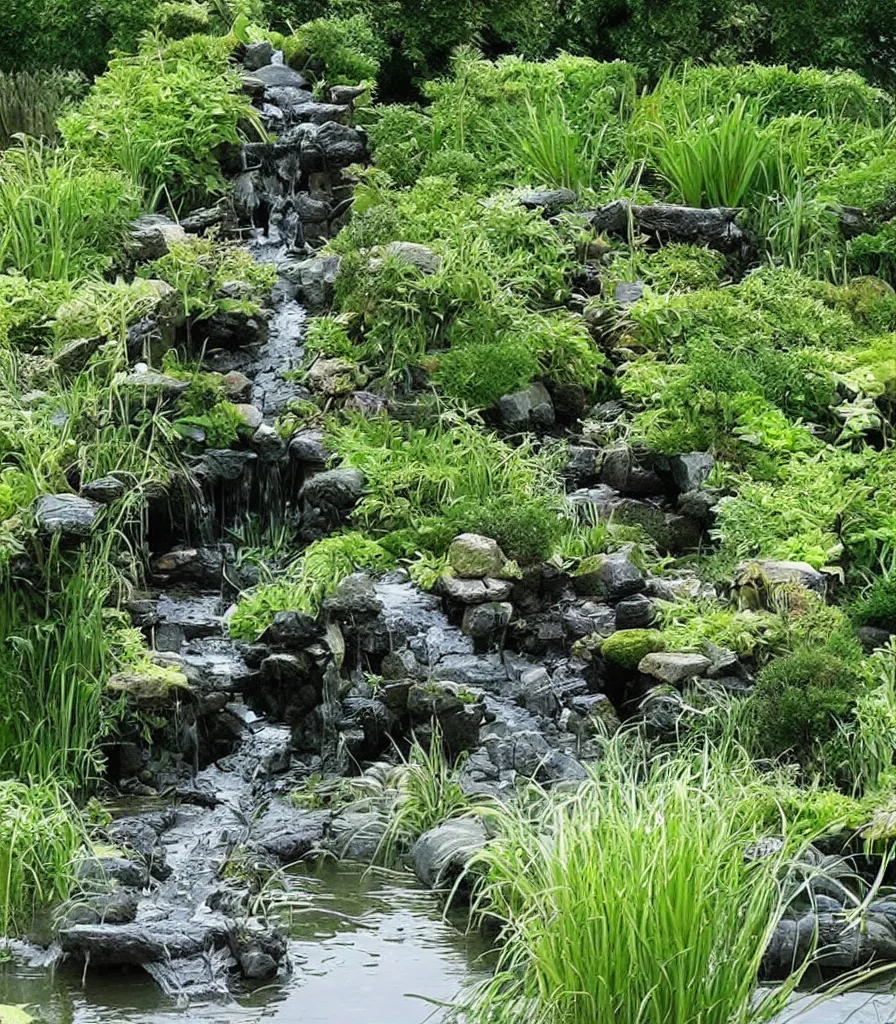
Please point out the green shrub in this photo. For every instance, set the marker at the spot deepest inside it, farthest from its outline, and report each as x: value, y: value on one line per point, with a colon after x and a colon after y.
x: 310, y: 579
x: 401, y: 138
x: 877, y: 607
x: 61, y: 216
x: 427, y: 484
x: 176, y: 19
x: 65, y: 34
x: 161, y: 115
x: 348, y: 48
x: 627, y: 647
x: 801, y: 699
x: 197, y: 268
x: 526, y: 530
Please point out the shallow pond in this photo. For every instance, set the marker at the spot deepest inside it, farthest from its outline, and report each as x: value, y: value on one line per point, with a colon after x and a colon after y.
x: 371, y: 948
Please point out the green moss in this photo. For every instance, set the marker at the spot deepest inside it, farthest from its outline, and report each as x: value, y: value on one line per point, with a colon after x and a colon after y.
x: 627, y: 647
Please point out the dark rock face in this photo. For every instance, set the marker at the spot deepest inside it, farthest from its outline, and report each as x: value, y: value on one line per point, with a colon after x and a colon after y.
x: 327, y: 499
x: 550, y: 201
x: 105, y: 490
x: 66, y: 514
x: 278, y: 75
x: 716, y: 228
x: 289, y: 833
x: 135, y: 943
x: 314, y: 278
x: 531, y: 409
x: 151, y: 235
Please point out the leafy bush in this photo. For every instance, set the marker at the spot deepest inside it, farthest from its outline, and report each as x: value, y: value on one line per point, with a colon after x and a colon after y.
x: 427, y: 484
x: 877, y: 607
x: 348, y: 48
x: 60, y: 216
x: 65, y: 34
x: 198, y: 268
x: 310, y: 579
x: 801, y: 699
x: 161, y: 115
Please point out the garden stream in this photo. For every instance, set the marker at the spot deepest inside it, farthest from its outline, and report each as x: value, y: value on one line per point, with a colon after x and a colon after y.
x: 364, y: 946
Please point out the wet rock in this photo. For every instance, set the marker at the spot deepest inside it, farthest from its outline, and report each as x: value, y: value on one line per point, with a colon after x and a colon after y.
x: 327, y: 147
x: 269, y: 445
x: 531, y: 409
x: 872, y: 637
x: 224, y: 466
x: 307, y: 448
x: 672, y: 668
x: 251, y: 417
x: 328, y: 498
x: 197, y: 566
x: 621, y: 471
x: 279, y: 76
x: 716, y: 227
x: 595, y: 715
x: 536, y: 692
x: 231, y: 329
x: 138, y: 943
x: 148, y: 384
x: 529, y: 754
x: 756, y: 575
x: 66, y: 514
x: 131, y: 874
x: 105, y: 490
x: 441, y: 855
x: 627, y: 293
x: 258, y: 55
x: 259, y: 949
x: 661, y: 712
x: 475, y: 591
x: 481, y: 621
x: 151, y: 236
x: 288, y: 833
x: 551, y: 201
x: 332, y: 377
x: 458, y: 712
x: 347, y: 93
x: 237, y: 386
x: 699, y: 506
x: 581, y: 465
x: 473, y: 556
x: 292, y: 630
x: 365, y: 402
x: 691, y: 471
x: 588, y: 617
x: 355, y: 596
x: 618, y: 576
x: 636, y: 612
x: 143, y: 837
x: 117, y: 907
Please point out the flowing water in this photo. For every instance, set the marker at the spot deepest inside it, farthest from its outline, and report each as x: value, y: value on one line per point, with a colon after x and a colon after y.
x: 369, y: 948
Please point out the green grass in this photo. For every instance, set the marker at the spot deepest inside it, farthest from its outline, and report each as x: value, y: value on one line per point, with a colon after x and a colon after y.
x: 630, y: 900
x: 41, y: 832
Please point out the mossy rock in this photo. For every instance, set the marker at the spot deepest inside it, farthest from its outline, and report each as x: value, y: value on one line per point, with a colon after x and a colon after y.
x: 627, y: 647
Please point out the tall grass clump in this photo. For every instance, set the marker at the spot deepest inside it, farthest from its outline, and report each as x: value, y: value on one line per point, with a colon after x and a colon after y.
x: 40, y: 835
x: 61, y: 217
x: 31, y: 101
x: 631, y: 899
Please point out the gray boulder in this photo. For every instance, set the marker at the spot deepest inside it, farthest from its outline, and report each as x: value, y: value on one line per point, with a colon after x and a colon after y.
x: 66, y: 514
x: 441, y: 855
x: 550, y: 201
x: 279, y: 75
x: 315, y: 279
x: 691, y: 471
x: 528, y: 409
x: 105, y: 490
x: 328, y: 498
x: 473, y: 556
x: 481, y: 621
x: 151, y: 236
x: 288, y: 833
x: 673, y: 669
x: 258, y: 55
